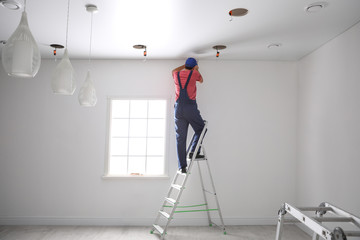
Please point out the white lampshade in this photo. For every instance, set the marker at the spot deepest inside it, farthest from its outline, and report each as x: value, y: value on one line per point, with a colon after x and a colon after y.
x: 20, y: 55
x: 63, y: 81
x: 87, y: 93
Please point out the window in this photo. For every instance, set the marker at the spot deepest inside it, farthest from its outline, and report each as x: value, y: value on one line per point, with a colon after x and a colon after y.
x: 137, y: 140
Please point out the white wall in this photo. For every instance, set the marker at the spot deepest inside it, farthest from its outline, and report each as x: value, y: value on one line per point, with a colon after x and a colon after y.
x: 52, y: 150
x: 329, y: 129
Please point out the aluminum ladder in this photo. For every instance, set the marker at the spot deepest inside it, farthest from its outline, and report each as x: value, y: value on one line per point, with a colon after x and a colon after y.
x: 315, y: 223
x: 172, y: 199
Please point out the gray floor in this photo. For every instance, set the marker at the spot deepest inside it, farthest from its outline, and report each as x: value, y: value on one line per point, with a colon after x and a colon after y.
x: 140, y: 233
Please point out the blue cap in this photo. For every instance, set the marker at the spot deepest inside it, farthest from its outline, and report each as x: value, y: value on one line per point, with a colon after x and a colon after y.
x: 190, y: 62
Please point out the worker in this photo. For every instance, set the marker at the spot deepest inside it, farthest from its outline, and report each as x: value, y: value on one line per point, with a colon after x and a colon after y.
x: 186, y: 110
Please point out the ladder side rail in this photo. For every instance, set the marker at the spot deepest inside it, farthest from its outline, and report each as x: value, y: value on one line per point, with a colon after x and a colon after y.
x: 200, y: 141
x: 165, y: 202
x: 204, y: 194
x: 309, y: 222
x: 341, y: 212
x: 175, y: 204
x: 215, y: 194
x: 189, y: 146
x: 280, y: 226
x: 319, y: 214
x: 170, y: 217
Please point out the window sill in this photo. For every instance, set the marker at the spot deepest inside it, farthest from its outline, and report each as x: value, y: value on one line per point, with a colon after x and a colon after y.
x: 109, y: 177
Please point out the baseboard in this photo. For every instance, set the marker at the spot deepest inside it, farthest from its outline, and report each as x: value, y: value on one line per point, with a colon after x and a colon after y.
x: 129, y: 221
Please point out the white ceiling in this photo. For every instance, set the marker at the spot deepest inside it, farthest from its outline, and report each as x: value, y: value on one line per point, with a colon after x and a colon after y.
x: 176, y: 29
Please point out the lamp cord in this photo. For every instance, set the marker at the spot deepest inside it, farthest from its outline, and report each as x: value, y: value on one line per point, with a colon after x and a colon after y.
x: 67, y: 24
x: 24, y: 5
x: 90, y: 37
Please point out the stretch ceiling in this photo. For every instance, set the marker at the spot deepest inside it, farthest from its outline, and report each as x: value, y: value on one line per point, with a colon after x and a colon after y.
x: 176, y: 29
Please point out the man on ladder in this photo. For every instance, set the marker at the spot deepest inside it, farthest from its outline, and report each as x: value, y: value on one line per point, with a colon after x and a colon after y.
x: 186, y: 111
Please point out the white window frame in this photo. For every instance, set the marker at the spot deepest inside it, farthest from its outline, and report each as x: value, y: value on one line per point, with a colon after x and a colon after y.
x: 108, y: 139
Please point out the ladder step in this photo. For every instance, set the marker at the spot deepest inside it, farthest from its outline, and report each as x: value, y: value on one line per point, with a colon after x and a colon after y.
x: 180, y: 173
x: 165, y: 214
x: 158, y: 228
x: 198, y: 159
x: 176, y: 186
x: 171, y: 201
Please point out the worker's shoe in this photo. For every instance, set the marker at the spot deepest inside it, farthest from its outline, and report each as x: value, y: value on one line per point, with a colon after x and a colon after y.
x: 182, y: 170
x: 198, y: 155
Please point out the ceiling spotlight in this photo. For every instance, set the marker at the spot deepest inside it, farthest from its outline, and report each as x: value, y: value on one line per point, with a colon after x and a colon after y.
x: 217, y: 48
x: 315, y: 7
x: 11, y: 4
x: 274, y: 45
x: 238, y: 12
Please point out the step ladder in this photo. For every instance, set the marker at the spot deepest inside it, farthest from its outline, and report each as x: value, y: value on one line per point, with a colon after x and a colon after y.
x: 170, y: 205
x: 315, y: 223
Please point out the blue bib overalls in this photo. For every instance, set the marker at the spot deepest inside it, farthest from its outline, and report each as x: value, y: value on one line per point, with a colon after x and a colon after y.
x: 186, y: 112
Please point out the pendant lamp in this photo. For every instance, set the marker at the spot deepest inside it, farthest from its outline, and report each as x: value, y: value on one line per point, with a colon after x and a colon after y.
x: 20, y: 55
x: 63, y: 80
x: 87, y: 93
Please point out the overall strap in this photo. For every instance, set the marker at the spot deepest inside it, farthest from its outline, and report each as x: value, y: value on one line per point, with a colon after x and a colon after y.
x: 178, y: 74
x: 187, y: 81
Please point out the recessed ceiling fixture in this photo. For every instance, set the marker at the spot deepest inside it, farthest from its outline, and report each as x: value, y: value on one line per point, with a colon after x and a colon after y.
x: 11, y: 4
x: 315, y: 7
x: 56, y: 46
x: 140, y: 46
x: 274, y: 45
x: 238, y: 12
x: 217, y: 48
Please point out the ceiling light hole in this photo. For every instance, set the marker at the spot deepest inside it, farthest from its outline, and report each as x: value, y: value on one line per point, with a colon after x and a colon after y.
x: 238, y: 12
x: 56, y: 46
x: 217, y: 48
x: 274, y: 45
x: 139, y: 46
x: 316, y: 7
x: 11, y: 4
x: 91, y: 8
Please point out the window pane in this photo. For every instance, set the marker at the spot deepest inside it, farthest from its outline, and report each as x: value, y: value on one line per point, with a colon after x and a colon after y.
x: 155, y: 165
x: 138, y: 127
x: 137, y: 136
x: 138, y: 109
x: 157, y: 108
x: 137, y: 146
x: 136, y: 165
x: 118, y: 165
x: 156, y: 128
x: 119, y: 146
x: 120, y: 127
x: 155, y: 146
x: 120, y: 108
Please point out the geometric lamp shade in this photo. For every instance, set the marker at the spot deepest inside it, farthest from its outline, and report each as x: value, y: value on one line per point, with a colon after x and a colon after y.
x: 63, y: 81
x: 87, y: 94
x: 20, y: 55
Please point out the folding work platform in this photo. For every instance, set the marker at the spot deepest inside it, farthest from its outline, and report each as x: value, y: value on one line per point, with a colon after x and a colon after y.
x: 170, y: 205
x: 315, y: 223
